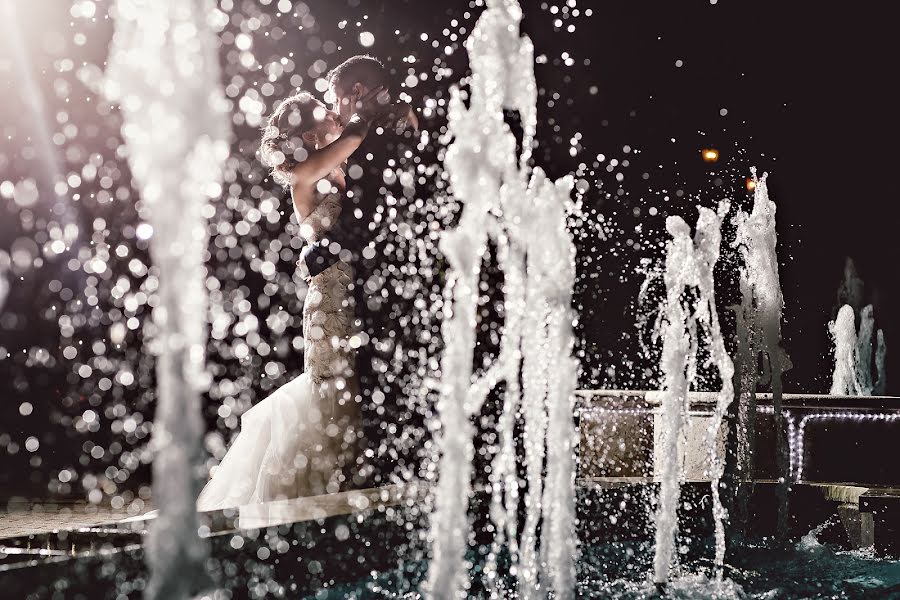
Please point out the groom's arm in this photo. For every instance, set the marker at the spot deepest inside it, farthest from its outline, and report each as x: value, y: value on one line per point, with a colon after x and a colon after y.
x: 318, y: 256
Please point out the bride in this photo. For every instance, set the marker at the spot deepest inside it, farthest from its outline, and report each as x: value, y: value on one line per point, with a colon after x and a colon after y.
x: 304, y: 438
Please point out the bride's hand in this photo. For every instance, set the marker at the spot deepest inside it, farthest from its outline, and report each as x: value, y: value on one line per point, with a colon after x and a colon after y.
x: 373, y: 104
x: 375, y: 107
x: 398, y: 116
x: 405, y: 117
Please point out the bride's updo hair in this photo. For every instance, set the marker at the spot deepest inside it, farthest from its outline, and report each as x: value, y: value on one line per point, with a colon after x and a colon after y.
x: 282, y: 148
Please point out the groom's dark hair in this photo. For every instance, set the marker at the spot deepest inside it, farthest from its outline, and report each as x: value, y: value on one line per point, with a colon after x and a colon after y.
x: 361, y: 68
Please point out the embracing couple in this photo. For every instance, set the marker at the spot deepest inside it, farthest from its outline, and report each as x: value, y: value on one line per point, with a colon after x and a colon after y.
x: 306, y: 437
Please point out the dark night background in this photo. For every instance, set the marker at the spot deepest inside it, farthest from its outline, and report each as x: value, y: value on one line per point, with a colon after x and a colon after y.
x: 808, y: 97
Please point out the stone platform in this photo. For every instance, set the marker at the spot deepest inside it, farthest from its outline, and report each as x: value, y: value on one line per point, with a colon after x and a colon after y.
x: 832, y: 439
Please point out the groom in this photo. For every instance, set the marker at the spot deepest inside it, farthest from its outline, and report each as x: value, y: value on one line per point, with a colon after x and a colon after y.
x: 357, y: 76
x: 349, y: 82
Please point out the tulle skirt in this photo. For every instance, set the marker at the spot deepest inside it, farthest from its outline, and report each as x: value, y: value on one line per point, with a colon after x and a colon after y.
x: 301, y: 440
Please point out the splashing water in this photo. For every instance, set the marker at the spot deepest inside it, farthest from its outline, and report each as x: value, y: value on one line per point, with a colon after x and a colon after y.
x: 689, y: 264
x: 853, y: 366
x: 554, y: 267
x: 862, y: 384
x: 864, y: 350
x: 759, y: 336
x: 852, y: 375
x: 709, y: 239
x: 880, y: 371
x: 742, y: 446
x: 526, y: 218
x: 844, y: 380
x: 164, y: 73
x: 678, y: 370
x: 852, y: 287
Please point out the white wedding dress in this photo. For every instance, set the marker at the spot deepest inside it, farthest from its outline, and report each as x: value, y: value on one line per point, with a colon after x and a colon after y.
x: 302, y: 439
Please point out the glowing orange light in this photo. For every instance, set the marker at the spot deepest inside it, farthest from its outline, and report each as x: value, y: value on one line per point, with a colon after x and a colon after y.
x: 710, y: 155
x: 751, y: 184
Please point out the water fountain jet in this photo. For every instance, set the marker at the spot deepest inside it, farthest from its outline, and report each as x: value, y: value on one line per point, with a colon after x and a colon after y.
x: 164, y: 73
x: 524, y: 214
x: 758, y: 341
x: 689, y: 266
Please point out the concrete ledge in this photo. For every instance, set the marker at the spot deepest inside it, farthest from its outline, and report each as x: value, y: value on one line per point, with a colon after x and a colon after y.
x: 882, y: 509
x: 705, y: 400
x: 833, y: 439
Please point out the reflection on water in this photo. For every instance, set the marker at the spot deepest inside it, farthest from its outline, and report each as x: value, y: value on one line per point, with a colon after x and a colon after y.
x: 371, y: 544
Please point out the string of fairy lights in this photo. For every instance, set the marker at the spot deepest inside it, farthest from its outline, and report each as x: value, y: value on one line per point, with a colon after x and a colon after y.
x: 797, y: 425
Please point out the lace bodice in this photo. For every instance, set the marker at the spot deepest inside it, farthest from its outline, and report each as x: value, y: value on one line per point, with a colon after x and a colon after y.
x: 328, y: 313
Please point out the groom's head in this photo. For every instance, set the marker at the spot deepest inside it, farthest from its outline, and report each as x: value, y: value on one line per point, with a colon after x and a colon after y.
x: 353, y: 79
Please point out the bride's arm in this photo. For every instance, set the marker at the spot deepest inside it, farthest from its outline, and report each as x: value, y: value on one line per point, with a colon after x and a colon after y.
x: 320, y: 163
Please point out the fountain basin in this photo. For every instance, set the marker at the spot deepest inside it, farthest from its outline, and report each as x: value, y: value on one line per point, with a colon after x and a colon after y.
x: 372, y: 544
x: 832, y: 439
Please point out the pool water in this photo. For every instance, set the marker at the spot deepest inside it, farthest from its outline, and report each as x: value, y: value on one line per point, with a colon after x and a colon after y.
x: 383, y: 554
x: 763, y: 570
x: 760, y: 570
